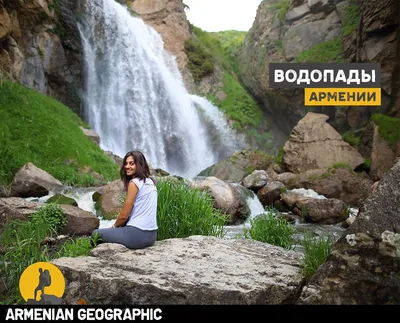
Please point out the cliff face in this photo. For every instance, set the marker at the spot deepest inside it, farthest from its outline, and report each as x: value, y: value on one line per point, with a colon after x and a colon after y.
x: 40, y: 47
x: 285, y: 35
x: 377, y: 40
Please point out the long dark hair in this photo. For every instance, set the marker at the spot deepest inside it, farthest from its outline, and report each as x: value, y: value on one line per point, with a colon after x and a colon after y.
x: 142, y: 168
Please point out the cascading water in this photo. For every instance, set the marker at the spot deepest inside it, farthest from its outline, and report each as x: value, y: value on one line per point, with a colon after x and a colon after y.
x: 135, y: 97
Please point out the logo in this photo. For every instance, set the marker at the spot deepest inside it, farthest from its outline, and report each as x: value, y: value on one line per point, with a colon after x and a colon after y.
x: 330, y: 84
x: 42, y: 283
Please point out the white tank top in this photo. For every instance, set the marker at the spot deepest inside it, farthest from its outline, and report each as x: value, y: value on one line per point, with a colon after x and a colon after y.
x: 144, y: 212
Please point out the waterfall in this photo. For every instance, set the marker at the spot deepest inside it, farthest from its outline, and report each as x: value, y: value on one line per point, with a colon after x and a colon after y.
x: 135, y: 98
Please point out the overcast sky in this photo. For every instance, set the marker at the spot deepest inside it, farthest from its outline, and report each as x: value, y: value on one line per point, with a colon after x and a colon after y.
x: 217, y: 15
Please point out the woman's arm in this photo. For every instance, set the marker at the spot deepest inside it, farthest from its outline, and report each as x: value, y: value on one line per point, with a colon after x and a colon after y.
x: 126, y: 210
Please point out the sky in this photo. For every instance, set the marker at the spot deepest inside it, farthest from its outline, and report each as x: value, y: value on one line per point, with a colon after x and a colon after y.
x: 218, y: 15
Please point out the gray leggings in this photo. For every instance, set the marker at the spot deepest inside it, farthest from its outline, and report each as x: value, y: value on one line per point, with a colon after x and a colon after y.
x: 129, y: 236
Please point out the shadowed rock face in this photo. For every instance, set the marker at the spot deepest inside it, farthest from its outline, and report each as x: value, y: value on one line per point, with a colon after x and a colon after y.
x: 364, y: 266
x: 194, y: 270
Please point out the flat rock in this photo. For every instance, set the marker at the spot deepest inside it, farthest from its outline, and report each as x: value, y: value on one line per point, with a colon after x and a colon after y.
x: 193, y: 270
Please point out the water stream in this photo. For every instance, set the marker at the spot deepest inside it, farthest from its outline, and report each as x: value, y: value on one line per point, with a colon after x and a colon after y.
x: 83, y: 196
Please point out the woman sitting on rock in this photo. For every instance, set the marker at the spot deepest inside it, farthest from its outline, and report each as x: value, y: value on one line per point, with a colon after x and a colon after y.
x: 136, y: 225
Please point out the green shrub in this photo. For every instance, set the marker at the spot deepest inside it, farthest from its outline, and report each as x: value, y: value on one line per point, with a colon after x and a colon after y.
x: 270, y: 229
x: 183, y: 211
x: 200, y: 61
x: 282, y: 8
x: 76, y: 248
x: 53, y: 215
x: 316, y: 251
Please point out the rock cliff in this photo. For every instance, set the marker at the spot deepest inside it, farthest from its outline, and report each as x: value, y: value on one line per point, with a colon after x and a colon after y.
x: 349, y: 30
x: 41, y: 49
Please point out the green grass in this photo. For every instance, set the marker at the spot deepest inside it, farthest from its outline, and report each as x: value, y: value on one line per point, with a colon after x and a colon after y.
x: 36, y: 128
x: 389, y: 128
x: 316, y: 251
x: 352, y: 17
x: 326, y: 52
x: 270, y: 229
x: 77, y: 247
x: 238, y: 104
x: 351, y: 139
x: 22, y: 244
x: 183, y: 211
x: 339, y: 165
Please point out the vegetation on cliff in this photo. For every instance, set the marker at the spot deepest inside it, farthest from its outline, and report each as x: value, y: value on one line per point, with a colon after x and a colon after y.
x: 205, y: 50
x: 352, y: 17
x: 237, y: 104
x: 332, y: 50
x: 200, y: 61
x: 326, y: 52
x: 231, y: 43
x: 36, y: 128
x: 389, y: 128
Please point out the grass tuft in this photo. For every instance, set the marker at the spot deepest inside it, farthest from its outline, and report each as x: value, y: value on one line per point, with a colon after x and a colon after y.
x: 270, y: 229
x: 316, y: 251
x: 183, y: 211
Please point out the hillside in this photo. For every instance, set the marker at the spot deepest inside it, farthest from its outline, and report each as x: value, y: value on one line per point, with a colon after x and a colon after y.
x: 213, y: 62
x: 38, y: 129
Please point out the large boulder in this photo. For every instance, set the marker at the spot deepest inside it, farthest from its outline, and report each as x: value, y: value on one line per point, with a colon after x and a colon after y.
x: 314, y: 144
x: 229, y: 198
x: 79, y: 222
x: 364, y: 265
x: 318, y: 210
x: 255, y: 180
x: 112, y: 200
x: 193, y: 270
x: 270, y: 193
x: 33, y: 181
x: 92, y: 135
x: 339, y: 183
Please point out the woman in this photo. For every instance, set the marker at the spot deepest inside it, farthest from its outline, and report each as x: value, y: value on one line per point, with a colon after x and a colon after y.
x: 136, y: 225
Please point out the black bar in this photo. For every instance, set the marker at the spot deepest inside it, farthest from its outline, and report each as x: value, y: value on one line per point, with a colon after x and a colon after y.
x: 205, y: 313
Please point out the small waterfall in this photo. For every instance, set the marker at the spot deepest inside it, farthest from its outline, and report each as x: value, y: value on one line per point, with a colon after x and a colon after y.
x: 256, y: 208
x: 135, y: 97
